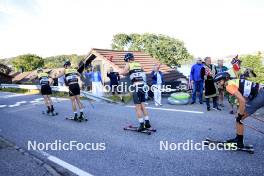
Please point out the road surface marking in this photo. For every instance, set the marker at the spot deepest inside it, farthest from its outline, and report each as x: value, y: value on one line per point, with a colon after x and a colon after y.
x: 17, y: 104
x: 66, y: 165
x: 22, y: 108
x: 59, y: 99
x: 14, y: 105
x: 39, y: 99
x: 174, y: 110
x: 12, y: 95
x: 2, y: 106
x: 34, y: 101
x: 38, y: 103
x: 22, y: 102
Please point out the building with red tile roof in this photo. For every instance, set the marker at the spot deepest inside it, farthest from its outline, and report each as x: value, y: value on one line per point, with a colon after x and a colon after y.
x: 106, y: 58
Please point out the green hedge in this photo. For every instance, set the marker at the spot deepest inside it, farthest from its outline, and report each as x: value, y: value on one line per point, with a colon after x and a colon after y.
x: 121, y: 98
x: 254, y: 62
x: 15, y: 90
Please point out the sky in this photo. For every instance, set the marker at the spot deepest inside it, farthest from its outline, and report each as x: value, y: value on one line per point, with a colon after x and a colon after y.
x: 213, y: 28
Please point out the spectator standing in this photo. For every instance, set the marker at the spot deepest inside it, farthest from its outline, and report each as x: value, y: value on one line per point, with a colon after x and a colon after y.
x: 211, y: 90
x: 144, y: 76
x: 220, y: 68
x: 197, y: 80
x: 61, y: 79
x: 235, y: 72
x: 157, y: 81
x: 97, y: 85
x: 87, y: 80
x: 114, y: 80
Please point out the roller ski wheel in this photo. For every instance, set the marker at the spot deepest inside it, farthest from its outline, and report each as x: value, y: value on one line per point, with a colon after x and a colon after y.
x: 82, y: 117
x: 219, y: 141
x: 50, y: 114
x: 247, y: 148
x: 77, y: 119
x: 148, y: 129
x: 135, y: 129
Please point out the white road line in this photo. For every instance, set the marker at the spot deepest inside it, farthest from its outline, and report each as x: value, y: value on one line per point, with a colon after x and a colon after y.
x: 2, y: 106
x: 13, y: 95
x: 17, y: 104
x: 66, y: 165
x: 174, y: 110
x: 37, y: 103
x: 14, y: 105
x: 61, y: 99
x: 22, y: 102
x: 39, y: 99
x: 22, y: 108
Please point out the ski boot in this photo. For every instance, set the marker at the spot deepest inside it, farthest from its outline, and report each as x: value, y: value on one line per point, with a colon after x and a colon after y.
x: 52, y: 111
x: 216, y: 109
x: 75, y: 117
x: 141, y: 127
x: 81, y: 117
x: 147, y: 124
x: 240, y: 143
x: 48, y: 111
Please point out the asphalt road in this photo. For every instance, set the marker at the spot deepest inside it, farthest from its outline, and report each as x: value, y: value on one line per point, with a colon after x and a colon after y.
x: 131, y: 153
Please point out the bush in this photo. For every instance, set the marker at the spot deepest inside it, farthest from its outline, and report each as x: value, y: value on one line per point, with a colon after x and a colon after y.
x: 15, y: 90
x: 60, y: 94
x: 254, y: 62
x: 121, y: 98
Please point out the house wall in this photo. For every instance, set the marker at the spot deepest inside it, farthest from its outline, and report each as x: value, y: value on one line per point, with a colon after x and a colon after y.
x: 104, y: 67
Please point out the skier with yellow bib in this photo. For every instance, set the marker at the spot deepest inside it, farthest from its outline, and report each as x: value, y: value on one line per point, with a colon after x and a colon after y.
x: 136, y: 73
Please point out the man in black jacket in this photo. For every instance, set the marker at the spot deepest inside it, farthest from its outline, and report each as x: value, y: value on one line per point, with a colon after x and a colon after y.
x: 114, y: 80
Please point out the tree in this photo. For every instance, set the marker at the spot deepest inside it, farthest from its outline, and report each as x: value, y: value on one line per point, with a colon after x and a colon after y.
x: 58, y: 61
x: 168, y: 50
x: 28, y: 62
x: 120, y: 41
x: 55, y: 61
x: 254, y: 62
x: 4, y: 69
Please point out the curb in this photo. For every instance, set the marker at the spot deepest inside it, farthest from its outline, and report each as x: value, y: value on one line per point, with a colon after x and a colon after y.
x: 51, y: 168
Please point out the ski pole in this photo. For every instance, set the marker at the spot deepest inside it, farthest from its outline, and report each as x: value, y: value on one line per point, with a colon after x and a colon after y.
x: 257, y: 119
x: 80, y: 100
x: 153, y: 98
x: 89, y: 101
x: 253, y: 128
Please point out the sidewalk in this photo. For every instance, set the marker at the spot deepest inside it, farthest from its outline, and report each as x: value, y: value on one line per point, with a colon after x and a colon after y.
x: 17, y: 162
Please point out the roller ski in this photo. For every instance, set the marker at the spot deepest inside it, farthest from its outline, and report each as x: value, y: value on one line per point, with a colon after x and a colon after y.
x: 49, y: 113
x: 81, y: 118
x: 148, y: 129
x: 231, y: 144
x: 143, y: 128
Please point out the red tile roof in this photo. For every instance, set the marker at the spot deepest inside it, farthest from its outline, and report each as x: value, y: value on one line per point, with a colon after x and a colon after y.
x: 32, y: 75
x: 116, y: 58
x: 20, y: 77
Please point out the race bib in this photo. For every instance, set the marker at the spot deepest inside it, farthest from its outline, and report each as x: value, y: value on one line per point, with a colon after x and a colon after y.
x: 44, y: 81
x: 247, y: 88
x: 72, y: 78
x: 136, y: 75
